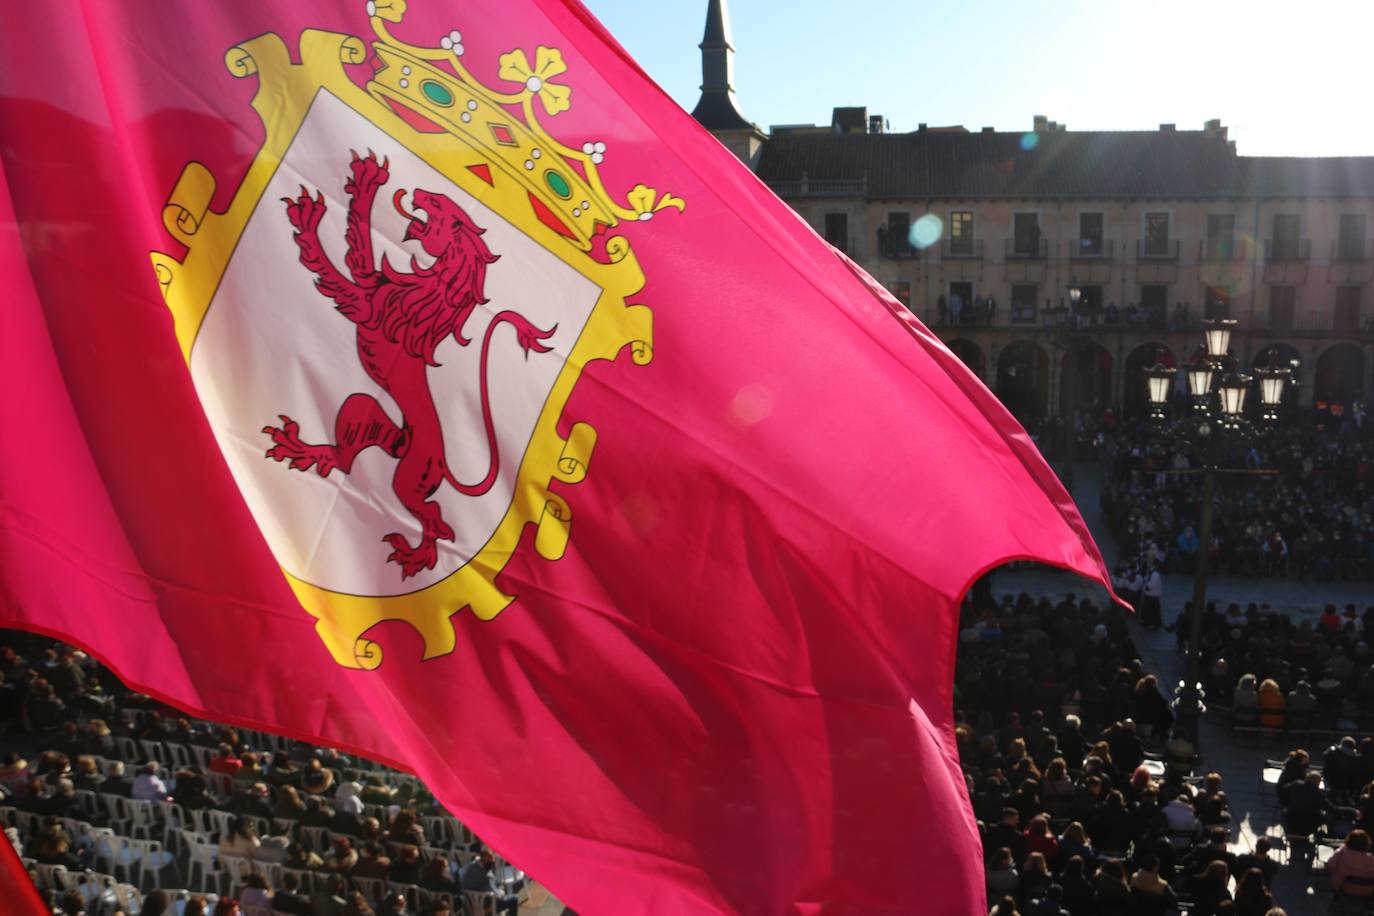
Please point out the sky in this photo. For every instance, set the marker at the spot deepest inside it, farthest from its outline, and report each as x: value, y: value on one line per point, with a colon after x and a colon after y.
x: 1287, y: 78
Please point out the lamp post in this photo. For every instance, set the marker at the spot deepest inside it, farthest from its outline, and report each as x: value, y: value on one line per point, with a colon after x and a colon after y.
x: 1213, y: 425
x: 1069, y: 339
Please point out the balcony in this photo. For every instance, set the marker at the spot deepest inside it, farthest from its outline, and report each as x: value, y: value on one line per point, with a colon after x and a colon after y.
x: 1027, y: 249
x: 961, y: 249
x: 1276, y: 250
x: 1226, y: 248
x: 1352, y: 250
x: 1150, y: 250
x: 1090, y: 249
x: 820, y: 187
x: 895, y: 246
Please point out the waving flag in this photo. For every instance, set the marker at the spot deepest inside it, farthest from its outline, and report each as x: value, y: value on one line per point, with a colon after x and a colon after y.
x: 479, y: 413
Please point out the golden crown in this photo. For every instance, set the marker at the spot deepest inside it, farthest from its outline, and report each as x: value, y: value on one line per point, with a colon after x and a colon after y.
x: 433, y: 91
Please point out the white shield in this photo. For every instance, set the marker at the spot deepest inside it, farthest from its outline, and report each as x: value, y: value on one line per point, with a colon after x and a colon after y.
x: 271, y: 344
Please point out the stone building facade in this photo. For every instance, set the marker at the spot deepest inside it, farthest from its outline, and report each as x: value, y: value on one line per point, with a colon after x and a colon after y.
x: 1099, y: 250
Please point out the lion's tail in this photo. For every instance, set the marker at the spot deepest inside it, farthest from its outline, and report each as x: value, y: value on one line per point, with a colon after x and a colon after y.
x: 530, y: 339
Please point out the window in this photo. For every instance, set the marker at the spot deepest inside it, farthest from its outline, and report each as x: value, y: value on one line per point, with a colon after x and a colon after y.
x: 961, y: 232
x: 1157, y: 234
x: 1221, y: 233
x: 1347, y: 317
x: 1216, y: 302
x: 1350, y: 244
x: 1154, y: 302
x: 901, y: 291
x: 837, y: 230
x: 898, y: 235
x: 1285, y: 245
x: 1026, y: 234
x: 1023, y: 299
x: 1281, y: 307
x: 1090, y: 233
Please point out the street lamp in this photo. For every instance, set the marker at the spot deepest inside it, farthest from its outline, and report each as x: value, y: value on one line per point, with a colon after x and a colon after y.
x: 1069, y: 339
x: 1214, y: 426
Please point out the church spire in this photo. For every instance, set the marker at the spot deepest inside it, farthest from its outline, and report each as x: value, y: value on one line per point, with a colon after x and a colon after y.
x: 718, y: 109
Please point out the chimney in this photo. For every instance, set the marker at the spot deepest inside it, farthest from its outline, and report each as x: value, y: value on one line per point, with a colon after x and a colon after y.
x: 988, y: 130
x: 921, y: 127
x: 875, y: 124
x: 1041, y: 123
x: 1213, y: 128
x: 1167, y: 128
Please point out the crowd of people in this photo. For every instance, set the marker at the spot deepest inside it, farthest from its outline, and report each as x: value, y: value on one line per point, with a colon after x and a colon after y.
x: 65, y: 718
x: 1056, y: 721
x: 1312, y: 518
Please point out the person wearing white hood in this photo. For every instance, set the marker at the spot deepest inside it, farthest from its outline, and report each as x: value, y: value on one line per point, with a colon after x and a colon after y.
x: 348, y: 799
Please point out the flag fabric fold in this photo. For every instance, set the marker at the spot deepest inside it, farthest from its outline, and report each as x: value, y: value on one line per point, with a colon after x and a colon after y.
x: 370, y: 382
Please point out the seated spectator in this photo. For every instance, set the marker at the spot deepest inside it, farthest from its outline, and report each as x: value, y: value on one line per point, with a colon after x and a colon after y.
x: 289, y: 899
x: 1245, y: 701
x: 1352, y: 866
x: 256, y: 892
x: 435, y: 877
x: 1343, y: 769
x: 1259, y: 859
x: 193, y: 790
x: 1078, y: 889
x: 342, y: 856
x: 1151, y: 709
x: 1051, y: 904
x: 1006, y: 906
x: 1252, y: 896
x: 289, y: 805
x: 1182, y: 821
x: 1215, y: 813
x: 1007, y: 835
x: 282, y: 772
x: 225, y: 761
x: 1039, y: 839
x: 372, y: 862
x: 329, y: 900
x: 116, y: 783
x: 253, y: 800
x: 1035, y: 876
x: 376, y: 792
x: 317, y: 813
x: 1151, y: 895
x: 298, y: 858
x: 1305, y: 805
x: 1113, y: 828
x: 13, y: 771
x: 1056, y: 789
x: 476, y: 876
x: 1111, y: 893
x: 1211, y: 890
x: 240, y: 839
x: 1155, y: 843
x: 405, y: 828
x: 252, y: 769
x: 316, y: 779
x: 1302, y: 706
x: 1294, y: 767
x: 1271, y: 704
x: 52, y: 846
x: 405, y: 868
x: 87, y: 775
x: 147, y: 786
x: 1197, y: 862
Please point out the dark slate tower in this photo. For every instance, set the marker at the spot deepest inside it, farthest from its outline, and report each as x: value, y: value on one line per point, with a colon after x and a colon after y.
x: 718, y: 111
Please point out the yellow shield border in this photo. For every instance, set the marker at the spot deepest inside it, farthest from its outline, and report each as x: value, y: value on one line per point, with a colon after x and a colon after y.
x: 408, y: 76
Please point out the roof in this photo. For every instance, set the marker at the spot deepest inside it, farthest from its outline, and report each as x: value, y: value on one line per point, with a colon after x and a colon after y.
x: 717, y: 110
x: 1169, y: 164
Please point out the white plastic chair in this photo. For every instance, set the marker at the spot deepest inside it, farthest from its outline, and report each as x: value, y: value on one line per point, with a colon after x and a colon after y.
x: 48, y: 877
x: 203, y: 868
x: 129, y: 898
x: 237, y: 868
x: 178, y: 754
x: 374, y: 889
x: 480, y: 903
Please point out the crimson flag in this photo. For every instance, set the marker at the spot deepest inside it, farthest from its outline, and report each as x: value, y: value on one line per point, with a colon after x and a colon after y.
x: 417, y: 378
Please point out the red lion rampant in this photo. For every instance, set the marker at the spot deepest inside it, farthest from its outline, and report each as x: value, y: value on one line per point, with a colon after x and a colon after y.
x: 401, y: 318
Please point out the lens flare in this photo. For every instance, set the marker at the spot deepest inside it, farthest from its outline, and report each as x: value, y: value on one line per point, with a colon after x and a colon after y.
x: 926, y: 231
x: 1029, y: 141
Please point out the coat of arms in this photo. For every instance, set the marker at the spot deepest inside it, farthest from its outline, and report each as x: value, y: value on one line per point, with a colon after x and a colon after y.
x: 397, y: 304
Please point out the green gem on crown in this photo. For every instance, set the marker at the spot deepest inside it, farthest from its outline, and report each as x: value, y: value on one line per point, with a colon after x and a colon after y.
x: 437, y: 93
x: 558, y: 184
